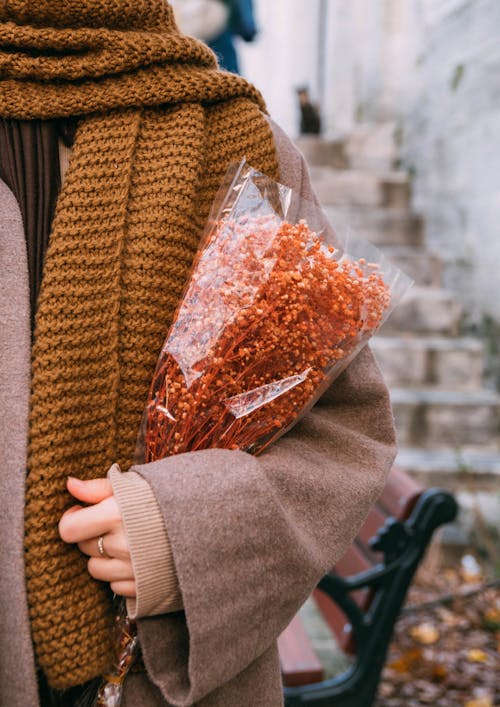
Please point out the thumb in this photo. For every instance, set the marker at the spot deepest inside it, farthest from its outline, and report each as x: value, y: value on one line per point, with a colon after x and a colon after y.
x: 93, y: 491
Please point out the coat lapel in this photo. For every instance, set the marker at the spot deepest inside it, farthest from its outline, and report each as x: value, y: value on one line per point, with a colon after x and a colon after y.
x: 18, y: 685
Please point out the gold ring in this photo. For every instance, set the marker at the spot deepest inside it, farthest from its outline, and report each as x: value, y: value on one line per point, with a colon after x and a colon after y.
x: 100, y: 546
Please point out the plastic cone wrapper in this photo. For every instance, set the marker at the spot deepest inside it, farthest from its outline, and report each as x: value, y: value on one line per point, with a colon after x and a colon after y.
x: 276, y: 307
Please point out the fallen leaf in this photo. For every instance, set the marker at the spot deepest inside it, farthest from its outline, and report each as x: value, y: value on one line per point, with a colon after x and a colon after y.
x: 406, y: 661
x: 449, y: 618
x: 439, y: 672
x: 450, y: 575
x: 491, y: 618
x: 476, y: 655
x: 426, y: 633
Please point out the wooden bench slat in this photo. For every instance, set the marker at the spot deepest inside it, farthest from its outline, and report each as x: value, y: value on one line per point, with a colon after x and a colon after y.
x: 299, y: 663
x: 375, y: 520
x: 352, y: 562
x: 400, y: 494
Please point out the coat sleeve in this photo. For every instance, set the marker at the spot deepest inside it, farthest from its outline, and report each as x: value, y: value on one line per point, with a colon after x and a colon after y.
x: 251, y: 536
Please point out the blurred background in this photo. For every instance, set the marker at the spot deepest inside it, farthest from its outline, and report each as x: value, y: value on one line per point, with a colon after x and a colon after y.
x: 396, y: 107
x: 408, y: 95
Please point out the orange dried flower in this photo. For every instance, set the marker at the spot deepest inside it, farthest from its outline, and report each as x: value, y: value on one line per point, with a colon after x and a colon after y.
x: 269, y: 316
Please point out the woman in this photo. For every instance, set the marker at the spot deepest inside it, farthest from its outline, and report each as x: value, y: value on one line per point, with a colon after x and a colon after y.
x: 216, y: 550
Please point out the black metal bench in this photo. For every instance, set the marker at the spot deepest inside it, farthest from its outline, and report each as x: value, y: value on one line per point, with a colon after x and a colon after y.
x: 360, y: 599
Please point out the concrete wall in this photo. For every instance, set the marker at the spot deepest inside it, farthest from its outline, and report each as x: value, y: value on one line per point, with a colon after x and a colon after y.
x: 354, y: 54
x: 433, y: 66
x: 285, y: 56
x: 452, y: 143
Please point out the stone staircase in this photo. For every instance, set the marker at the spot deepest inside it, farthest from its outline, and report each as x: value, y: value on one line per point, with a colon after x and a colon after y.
x: 448, y: 422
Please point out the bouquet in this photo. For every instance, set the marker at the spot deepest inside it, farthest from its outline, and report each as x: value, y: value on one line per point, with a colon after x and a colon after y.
x: 275, y: 308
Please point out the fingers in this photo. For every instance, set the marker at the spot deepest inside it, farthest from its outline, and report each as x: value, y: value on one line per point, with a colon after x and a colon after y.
x: 92, y: 491
x: 119, y: 574
x: 86, y: 523
x: 125, y: 589
x: 112, y: 570
x: 115, y: 546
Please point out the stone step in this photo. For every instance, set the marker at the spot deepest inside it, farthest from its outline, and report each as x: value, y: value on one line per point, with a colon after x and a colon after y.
x: 474, y: 479
x: 442, y: 466
x: 397, y: 189
x: 368, y: 147
x: 361, y: 188
x: 434, y: 419
x: 381, y: 226
x: 410, y: 361
x: 424, y: 267
x: 372, y: 146
x: 319, y: 152
x: 426, y: 310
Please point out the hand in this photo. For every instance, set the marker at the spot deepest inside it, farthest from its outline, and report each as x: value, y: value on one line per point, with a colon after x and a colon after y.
x: 84, y: 525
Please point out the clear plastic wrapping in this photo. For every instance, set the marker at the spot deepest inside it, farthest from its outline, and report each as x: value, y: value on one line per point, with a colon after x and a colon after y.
x: 275, y: 309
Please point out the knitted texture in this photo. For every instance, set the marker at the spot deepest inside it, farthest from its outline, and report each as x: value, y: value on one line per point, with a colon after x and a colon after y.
x: 160, y: 125
x: 49, y: 72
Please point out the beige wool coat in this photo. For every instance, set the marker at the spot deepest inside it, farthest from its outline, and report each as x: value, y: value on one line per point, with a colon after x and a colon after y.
x: 250, y: 536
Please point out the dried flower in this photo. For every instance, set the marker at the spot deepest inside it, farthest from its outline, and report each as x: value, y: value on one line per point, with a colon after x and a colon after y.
x: 269, y: 314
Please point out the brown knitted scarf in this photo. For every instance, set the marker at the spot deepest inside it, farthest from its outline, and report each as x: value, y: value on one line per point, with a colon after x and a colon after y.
x: 159, y: 126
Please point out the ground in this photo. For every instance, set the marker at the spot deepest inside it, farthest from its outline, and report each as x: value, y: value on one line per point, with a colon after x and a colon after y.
x: 446, y: 647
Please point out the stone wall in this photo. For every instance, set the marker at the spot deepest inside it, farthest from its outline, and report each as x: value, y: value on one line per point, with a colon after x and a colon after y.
x: 451, y: 139
x: 433, y: 67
